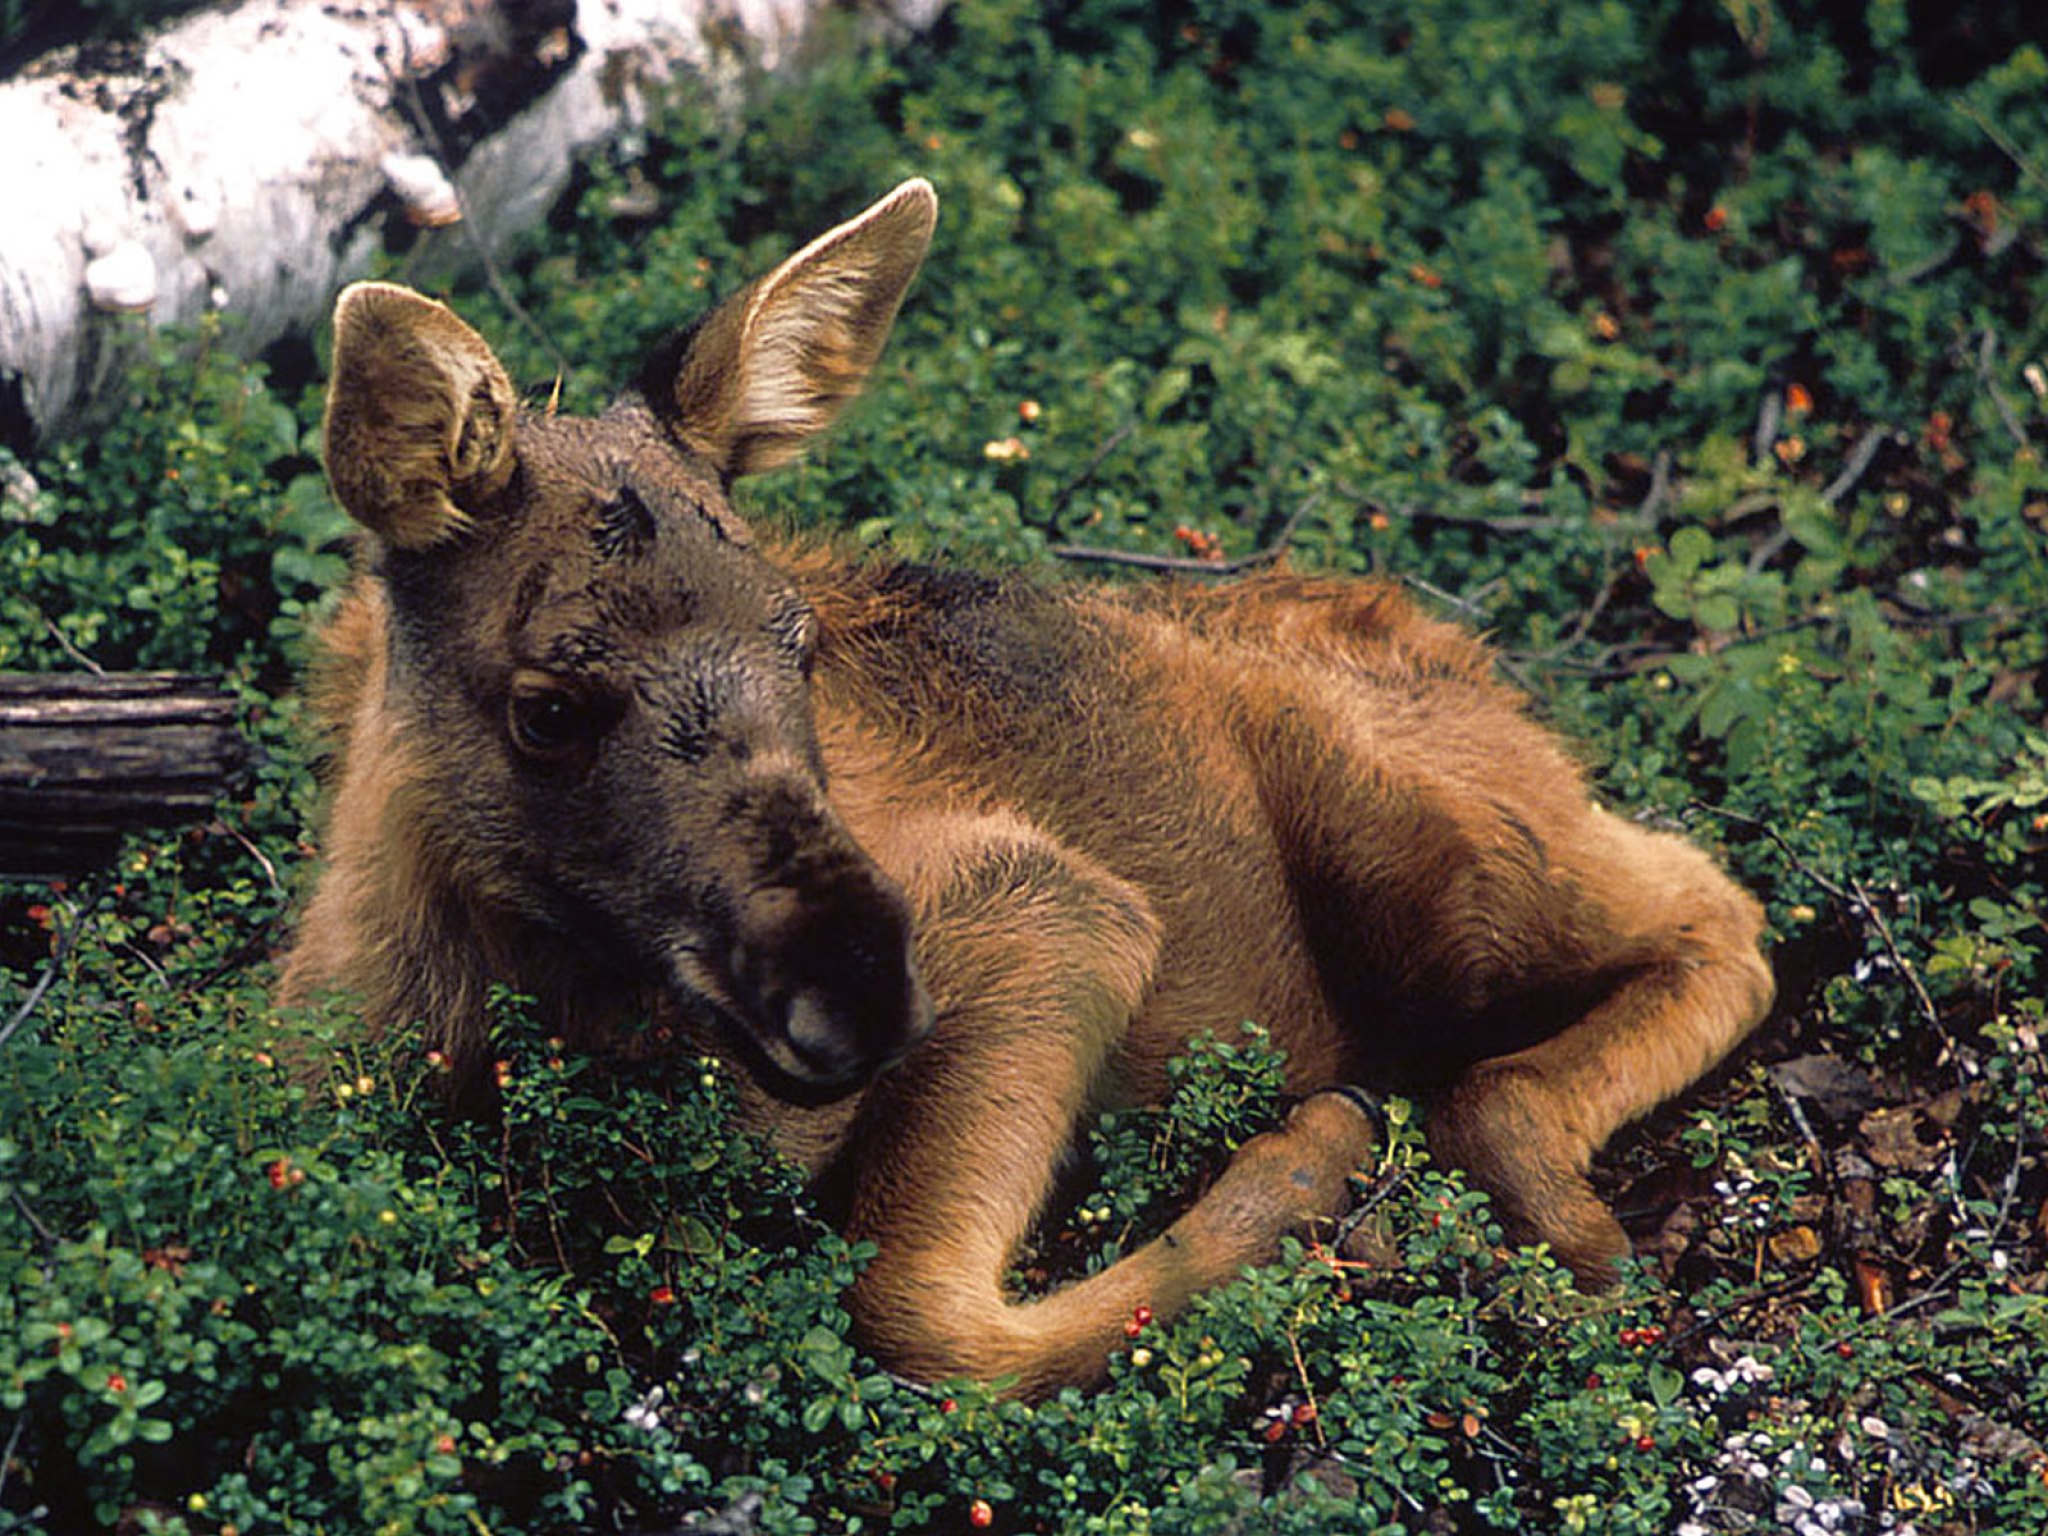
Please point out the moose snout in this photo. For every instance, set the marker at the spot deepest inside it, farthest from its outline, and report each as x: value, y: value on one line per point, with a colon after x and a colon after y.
x: 828, y: 975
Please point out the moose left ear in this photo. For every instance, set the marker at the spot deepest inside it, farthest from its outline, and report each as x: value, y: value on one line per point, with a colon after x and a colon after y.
x: 780, y: 360
x: 419, y: 416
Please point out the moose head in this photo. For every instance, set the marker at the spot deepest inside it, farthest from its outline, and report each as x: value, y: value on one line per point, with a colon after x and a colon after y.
x: 602, y: 684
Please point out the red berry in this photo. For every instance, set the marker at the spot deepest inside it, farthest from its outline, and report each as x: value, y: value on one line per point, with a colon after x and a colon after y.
x: 1132, y: 1327
x: 444, y: 1445
x: 1305, y: 1413
x: 1645, y: 1443
x: 117, y: 1382
x: 662, y: 1296
x: 980, y: 1514
x: 280, y: 1173
x: 1846, y: 1350
x: 1275, y: 1430
x: 948, y: 1406
x: 1142, y: 1315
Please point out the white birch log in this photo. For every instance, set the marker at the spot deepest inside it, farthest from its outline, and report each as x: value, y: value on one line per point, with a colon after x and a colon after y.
x: 251, y: 157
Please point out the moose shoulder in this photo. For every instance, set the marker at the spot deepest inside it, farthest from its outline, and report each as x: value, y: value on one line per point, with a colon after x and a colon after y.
x: 939, y: 862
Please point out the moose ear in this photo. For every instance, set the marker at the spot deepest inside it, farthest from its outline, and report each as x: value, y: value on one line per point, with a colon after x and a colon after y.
x: 780, y: 360
x: 419, y: 416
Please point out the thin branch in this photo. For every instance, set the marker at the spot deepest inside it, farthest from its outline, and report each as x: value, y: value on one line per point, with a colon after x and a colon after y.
x: 7, y: 1456
x: 1659, y: 492
x: 64, y: 642
x: 2004, y: 141
x: 1926, y: 267
x: 1264, y: 555
x: 1861, y: 457
x: 1770, y: 414
x: 59, y: 953
x: 423, y: 122
x: 1856, y: 896
x: 1987, y: 352
x: 1465, y: 605
x: 43, y: 1233
x: 1115, y: 441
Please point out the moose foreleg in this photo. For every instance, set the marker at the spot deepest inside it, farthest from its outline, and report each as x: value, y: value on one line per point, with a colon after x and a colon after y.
x: 1037, y: 961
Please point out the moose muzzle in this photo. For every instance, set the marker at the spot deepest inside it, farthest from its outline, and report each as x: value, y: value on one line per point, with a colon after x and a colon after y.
x: 824, y: 972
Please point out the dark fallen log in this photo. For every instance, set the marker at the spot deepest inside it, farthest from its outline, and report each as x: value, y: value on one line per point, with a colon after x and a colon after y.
x: 86, y: 759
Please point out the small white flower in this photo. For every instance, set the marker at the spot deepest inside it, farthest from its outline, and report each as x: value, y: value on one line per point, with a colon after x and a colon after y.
x: 646, y: 1414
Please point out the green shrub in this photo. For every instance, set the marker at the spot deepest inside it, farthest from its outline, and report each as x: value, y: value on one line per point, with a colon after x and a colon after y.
x: 1692, y: 349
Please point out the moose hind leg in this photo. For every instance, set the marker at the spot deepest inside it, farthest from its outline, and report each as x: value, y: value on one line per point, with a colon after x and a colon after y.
x: 1525, y: 1126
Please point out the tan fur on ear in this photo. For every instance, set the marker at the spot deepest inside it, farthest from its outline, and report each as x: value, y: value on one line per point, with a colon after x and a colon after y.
x: 419, y: 415
x: 779, y: 361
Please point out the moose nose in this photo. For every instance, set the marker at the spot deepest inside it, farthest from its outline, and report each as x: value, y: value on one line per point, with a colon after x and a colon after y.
x: 835, y: 1053
x: 827, y: 975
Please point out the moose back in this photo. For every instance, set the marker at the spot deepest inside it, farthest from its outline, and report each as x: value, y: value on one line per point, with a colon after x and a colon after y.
x: 941, y: 862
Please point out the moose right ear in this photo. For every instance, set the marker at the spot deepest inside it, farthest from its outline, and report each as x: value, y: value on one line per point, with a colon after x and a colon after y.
x: 419, y: 416
x: 778, y: 362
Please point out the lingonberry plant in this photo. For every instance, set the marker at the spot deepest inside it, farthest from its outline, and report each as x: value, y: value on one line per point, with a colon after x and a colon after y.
x: 1695, y: 350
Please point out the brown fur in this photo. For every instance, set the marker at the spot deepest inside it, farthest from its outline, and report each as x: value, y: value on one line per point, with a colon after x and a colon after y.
x: 1013, y: 845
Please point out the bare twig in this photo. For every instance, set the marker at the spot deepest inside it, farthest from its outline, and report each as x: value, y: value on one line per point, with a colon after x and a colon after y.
x: 1770, y: 413
x: 1987, y: 353
x: 1856, y: 896
x: 1861, y: 457
x: 1139, y: 560
x: 1114, y: 441
x: 7, y: 1455
x: 64, y: 642
x: 269, y: 869
x: 43, y: 1233
x: 59, y: 953
x: 423, y: 121
x: 1264, y: 555
x: 1660, y: 489
x: 2005, y: 143
x: 1926, y: 267
x: 1465, y: 605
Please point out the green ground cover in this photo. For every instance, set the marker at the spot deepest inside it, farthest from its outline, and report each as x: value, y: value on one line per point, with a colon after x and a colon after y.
x: 1694, y: 350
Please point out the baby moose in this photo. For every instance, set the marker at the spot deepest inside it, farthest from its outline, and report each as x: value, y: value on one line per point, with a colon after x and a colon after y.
x: 940, y: 863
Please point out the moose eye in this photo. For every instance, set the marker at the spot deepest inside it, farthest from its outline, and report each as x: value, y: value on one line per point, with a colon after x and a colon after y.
x: 551, y: 722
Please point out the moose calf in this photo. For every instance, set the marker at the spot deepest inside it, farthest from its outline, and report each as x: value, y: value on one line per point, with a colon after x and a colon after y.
x: 939, y: 862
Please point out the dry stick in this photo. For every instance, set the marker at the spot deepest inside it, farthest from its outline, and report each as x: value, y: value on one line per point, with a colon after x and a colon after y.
x: 1926, y: 267
x: 1355, y: 1217
x: 1856, y: 896
x: 1859, y: 899
x: 423, y: 122
x: 1645, y: 517
x: 1861, y: 457
x: 66, y: 938
x: 1770, y: 413
x: 1660, y: 489
x: 1114, y: 441
x: 68, y: 648
x: 7, y: 1456
x: 1987, y: 350
x: 1264, y: 555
